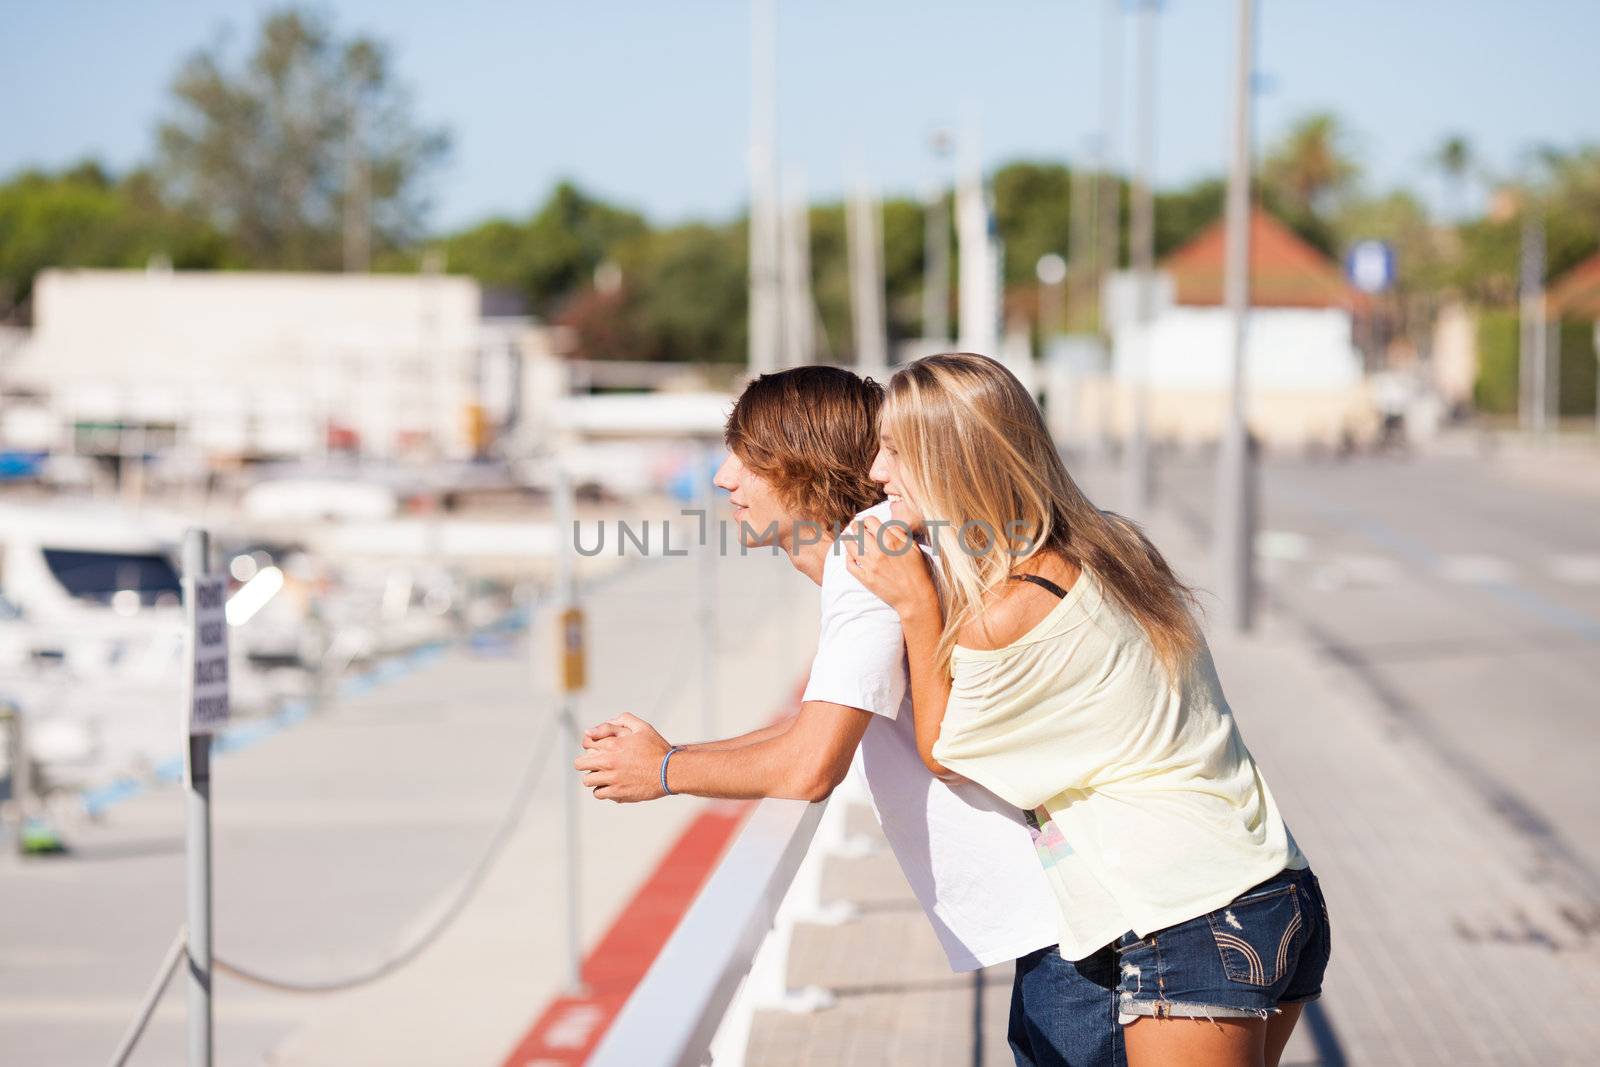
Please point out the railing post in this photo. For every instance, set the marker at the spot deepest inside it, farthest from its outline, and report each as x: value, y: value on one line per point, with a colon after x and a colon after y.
x: 706, y: 494
x: 571, y: 667
x: 206, y: 642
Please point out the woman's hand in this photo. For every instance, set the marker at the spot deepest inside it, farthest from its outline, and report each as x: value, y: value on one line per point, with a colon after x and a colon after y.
x: 889, y: 563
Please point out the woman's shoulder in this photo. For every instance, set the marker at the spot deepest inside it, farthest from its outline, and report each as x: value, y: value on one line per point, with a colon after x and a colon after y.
x: 1016, y: 607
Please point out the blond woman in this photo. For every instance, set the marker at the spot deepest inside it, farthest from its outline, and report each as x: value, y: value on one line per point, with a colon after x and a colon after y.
x: 1058, y: 664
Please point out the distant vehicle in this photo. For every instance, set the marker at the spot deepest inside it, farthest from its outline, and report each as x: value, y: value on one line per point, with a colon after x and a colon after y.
x: 92, y: 638
x: 68, y: 564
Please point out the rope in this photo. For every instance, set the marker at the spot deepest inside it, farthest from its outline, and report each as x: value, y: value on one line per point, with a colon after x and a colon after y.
x: 474, y: 879
x: 469, y: 888
x: 470, y: 885
x: 169, y: 964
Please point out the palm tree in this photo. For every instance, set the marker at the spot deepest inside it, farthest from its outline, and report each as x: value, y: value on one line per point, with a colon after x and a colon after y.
x: 1456, y: 161
x: 1310, y: 167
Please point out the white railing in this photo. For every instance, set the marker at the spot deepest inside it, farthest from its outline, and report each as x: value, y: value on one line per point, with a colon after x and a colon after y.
x: 674, y: 1015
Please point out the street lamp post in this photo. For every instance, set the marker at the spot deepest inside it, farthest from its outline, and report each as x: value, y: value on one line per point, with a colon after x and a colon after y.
x: 1137, y: 472
x: 1531, y: 340
x: 936, y: 251
x: 1051, y: 270
x: 1236, y: 482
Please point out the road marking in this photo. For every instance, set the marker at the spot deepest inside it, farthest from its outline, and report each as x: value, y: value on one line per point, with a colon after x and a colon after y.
x: 1283, y: 544
x: 1577, y: 570
x: 1419, y: 554
x: 1350, y: 570
x: 1475, y: 570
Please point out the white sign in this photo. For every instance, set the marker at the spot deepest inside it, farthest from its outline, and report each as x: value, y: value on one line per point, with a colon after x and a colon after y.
x: 205, y: 608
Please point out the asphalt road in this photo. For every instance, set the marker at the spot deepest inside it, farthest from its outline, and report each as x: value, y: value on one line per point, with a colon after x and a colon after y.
x: 1465, y: 593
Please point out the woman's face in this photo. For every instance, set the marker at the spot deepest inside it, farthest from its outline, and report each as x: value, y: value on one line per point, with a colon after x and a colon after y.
x: 758, y: 514
x: 886, y: 471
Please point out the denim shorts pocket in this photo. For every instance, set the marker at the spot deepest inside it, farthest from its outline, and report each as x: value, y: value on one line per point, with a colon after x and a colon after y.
x: 1257, y: 936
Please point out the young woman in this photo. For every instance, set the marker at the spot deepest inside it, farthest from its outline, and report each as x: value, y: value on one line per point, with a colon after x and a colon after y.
x: 1058, y: 664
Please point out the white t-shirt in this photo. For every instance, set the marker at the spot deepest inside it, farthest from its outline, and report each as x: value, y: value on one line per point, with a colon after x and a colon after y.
x: 967, y: 855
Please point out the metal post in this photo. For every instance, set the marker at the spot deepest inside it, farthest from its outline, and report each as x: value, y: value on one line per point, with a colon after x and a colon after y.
x: 1530, y: 347
x: 1054, y: 277
x: 936, y: 268
x: 567, y: 602
x: 1236, y: 482
x: 864, y: 241
x: 1550, y: 361
x: 1597, y: 377
x: 1080, y: 238
x: 1137, y: 462
x: 197, y: 805
x: 21, y: 771
x: 708, y: 590
x: 936, y: 249
x: 799, y: 336
x: 765, y: 309
x: 1110, y: 199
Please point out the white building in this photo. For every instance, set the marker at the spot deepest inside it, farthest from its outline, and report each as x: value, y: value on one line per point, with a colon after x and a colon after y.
x: 1302, y: 366
x: 261, y: 365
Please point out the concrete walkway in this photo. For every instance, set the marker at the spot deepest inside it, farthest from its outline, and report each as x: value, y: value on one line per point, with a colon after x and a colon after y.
x: 339, y: 839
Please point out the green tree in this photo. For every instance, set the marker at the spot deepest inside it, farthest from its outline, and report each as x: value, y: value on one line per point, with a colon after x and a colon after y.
x: 273, y: 150
x: 83, y: 217
x: 1562, y: 187
x: 1033, y: 215
x: 1455, y: 161
x: 686, y: 291
x: 550, y: 257
x: 1181, y: 214
x: 1307, y: 173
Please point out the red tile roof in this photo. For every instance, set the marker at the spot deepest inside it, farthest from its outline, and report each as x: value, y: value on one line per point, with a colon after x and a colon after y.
x: 1576, y: 294
x: 1285, y: 269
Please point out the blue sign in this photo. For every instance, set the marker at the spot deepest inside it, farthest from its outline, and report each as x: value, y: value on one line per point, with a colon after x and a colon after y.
x: 1370, y: 266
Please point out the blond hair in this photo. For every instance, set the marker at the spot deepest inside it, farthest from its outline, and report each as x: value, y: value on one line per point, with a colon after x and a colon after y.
x: 978, y: 461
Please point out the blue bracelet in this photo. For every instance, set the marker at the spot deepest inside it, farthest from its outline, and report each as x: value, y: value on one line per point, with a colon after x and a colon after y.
x: 664, y: 759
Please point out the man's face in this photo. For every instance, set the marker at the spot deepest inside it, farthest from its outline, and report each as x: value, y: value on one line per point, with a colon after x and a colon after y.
x: 758, y: 514
x: 886, y: 472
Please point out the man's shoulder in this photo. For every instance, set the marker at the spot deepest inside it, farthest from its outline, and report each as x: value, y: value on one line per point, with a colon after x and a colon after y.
x: 879, y: 511
x: 834, y: 567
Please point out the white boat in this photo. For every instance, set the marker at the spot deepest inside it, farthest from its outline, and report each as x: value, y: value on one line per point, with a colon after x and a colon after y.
x: 90, y: 647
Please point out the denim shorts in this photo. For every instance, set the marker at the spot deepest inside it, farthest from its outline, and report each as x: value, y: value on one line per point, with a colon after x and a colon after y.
x: 1064, y: 1012
x: 1266, y: 949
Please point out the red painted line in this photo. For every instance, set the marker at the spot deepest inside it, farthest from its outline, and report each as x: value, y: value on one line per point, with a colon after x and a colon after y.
x: 570, y: 1027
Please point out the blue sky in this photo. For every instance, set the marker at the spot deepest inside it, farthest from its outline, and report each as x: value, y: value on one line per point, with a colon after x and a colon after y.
x: 648, y: 103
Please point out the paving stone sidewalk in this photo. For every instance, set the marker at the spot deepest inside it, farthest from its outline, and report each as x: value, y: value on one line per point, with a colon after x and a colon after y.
x: 1464, y: 928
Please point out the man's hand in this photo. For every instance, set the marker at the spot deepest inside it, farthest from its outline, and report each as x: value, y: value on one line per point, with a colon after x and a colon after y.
x: 622, y: 760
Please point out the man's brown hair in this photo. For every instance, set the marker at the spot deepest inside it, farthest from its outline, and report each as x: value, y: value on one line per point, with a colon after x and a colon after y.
x: 812, y: 432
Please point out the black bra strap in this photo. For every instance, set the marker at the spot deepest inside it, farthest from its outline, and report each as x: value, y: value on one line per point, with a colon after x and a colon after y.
x: 1041, y: 582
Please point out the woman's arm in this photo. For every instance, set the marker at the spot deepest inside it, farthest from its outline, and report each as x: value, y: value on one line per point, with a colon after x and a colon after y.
x: 886, y: 561
x: 930, y: 685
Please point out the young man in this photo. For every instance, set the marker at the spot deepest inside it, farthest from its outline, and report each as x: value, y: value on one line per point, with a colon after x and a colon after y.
x: 800, y: 445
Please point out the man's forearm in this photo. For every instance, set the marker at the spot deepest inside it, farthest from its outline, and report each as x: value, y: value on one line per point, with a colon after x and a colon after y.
x: 763, y: 768
x: 766, y: 733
